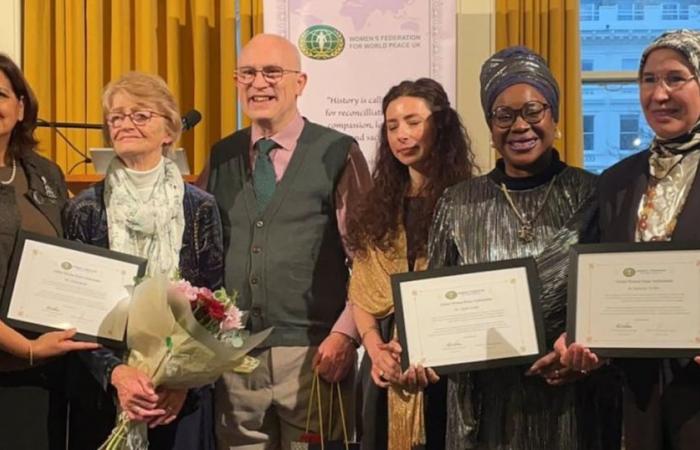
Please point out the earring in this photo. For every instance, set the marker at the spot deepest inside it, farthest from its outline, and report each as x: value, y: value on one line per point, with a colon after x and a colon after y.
x: 557, y: 133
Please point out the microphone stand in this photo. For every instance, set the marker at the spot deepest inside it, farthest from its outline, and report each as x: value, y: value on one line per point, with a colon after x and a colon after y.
x: 74, y: 125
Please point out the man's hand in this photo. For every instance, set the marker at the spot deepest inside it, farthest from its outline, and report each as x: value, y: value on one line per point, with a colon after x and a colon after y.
x: 334, y: 357
x: 697, y: 360
x: 170, y: 400
x: 135, y: 392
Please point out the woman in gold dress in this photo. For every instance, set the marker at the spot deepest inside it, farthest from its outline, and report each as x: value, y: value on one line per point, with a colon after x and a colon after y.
x: 423, y: 149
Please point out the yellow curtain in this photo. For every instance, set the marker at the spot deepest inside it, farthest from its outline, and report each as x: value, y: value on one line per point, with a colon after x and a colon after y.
x: 551, y: 28
x: 73, y: 48
x: 251, y: 24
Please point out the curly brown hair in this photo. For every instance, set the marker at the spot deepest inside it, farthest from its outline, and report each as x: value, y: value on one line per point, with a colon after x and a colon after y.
x: 22, y: 138
x: 375, y: 221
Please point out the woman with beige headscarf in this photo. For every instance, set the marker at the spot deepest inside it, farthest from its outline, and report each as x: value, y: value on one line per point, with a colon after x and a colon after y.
x: 655, y: 196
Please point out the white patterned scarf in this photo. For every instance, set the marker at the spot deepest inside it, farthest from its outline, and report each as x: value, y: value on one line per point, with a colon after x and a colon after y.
x: 673, y: 165
x: 150, y: 228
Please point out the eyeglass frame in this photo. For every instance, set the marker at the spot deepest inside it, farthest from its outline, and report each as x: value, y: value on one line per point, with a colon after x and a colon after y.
x: 519, y: 113
x: 647, y: 85
x: 262, y: 72
x: 131, y: 118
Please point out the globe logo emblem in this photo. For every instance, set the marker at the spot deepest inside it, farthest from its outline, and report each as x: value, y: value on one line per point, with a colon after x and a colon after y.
x: 450, y: 295
x: 321, y: 42
x: 65, y: 265
x: 629, y: 272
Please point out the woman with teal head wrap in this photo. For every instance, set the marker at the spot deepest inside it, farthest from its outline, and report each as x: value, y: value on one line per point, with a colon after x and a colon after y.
x: 530, y: 205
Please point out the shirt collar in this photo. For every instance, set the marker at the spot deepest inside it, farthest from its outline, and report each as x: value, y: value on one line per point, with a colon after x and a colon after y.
x: 286, y: 138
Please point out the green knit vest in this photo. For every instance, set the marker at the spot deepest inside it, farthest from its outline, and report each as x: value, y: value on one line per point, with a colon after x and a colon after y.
x: 287, y: 263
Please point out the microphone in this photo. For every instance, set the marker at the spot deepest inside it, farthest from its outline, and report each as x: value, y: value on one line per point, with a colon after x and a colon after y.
x: 54, y: 125
x: 190, y: 119
x: 79, y: 125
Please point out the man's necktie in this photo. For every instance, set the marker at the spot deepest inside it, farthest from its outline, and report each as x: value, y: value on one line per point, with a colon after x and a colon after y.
x: 264, y: 173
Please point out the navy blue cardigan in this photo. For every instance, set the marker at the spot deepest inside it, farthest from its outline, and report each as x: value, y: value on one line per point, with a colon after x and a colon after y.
x: 201, y: 256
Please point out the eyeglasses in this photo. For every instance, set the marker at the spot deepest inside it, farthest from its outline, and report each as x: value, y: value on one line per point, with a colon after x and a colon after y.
x: 138, y: 118
x: 670, y: 81
x: 271, y: 74
x: 532, y: 112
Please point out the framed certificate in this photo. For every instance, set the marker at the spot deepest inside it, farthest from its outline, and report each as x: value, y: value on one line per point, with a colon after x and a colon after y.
x: 471, y: 317
x: 635, y: 299
x: 57, y: 284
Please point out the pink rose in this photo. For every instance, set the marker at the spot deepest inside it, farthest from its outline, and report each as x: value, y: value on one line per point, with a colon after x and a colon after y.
x: 186, y: 289
x: 232, y: 321
x: 207, y: 293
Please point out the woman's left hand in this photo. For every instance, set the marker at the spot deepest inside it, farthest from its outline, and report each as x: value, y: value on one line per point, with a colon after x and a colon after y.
x: 419, y: 377
x: 415, y: 376
x: 170, y: 400
x: 554, y: 373
x: 697, y: 360
x: 576, y: 356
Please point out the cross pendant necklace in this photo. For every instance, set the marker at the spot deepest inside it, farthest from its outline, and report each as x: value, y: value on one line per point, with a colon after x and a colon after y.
x: 526, y: 232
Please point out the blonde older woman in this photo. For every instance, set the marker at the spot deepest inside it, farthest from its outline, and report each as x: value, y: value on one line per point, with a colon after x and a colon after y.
x: 143, y: 208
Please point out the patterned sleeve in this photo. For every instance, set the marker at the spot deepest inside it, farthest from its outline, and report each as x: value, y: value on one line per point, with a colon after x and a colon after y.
x: 79, y: 224
x: 210, y: 249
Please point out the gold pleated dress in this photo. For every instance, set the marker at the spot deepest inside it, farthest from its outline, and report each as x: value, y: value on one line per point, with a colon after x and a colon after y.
x: 370, y: 290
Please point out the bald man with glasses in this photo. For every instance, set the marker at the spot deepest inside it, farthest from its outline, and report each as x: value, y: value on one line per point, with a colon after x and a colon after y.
x: 284, y: 187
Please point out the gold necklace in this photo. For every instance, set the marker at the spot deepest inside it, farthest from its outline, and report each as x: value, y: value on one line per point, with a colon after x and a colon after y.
x: 526, y: 231
x: 12, y: 175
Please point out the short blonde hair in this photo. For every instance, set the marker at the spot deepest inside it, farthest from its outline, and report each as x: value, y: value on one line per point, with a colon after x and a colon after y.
x: 150, y: 91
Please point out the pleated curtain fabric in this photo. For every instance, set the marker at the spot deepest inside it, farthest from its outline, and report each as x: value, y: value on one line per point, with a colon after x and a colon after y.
x: 73, y: 48
x: 551, y: 28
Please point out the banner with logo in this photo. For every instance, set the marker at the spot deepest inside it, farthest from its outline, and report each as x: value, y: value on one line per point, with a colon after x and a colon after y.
x: 354, y: 50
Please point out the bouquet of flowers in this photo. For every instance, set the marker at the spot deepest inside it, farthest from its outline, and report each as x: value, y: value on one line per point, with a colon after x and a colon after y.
x: 182, y: 337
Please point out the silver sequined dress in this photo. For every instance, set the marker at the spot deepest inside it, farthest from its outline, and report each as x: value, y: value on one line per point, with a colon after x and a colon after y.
x: 502, y: 409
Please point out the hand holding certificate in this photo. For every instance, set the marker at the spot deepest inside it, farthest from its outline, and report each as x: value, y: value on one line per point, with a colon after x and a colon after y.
x: 58, y: 284
x: 635, y: 300
x: 470, y: 317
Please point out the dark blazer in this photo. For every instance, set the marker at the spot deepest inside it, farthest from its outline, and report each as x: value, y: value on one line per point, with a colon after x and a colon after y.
x: 620, y: 189
x: 201, y: 263
x: 201, y: 255
x: 40, y: 389
x: 47, y: 192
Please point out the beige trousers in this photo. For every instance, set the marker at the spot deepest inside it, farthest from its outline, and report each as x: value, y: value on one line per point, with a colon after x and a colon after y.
x: 267, y: 409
